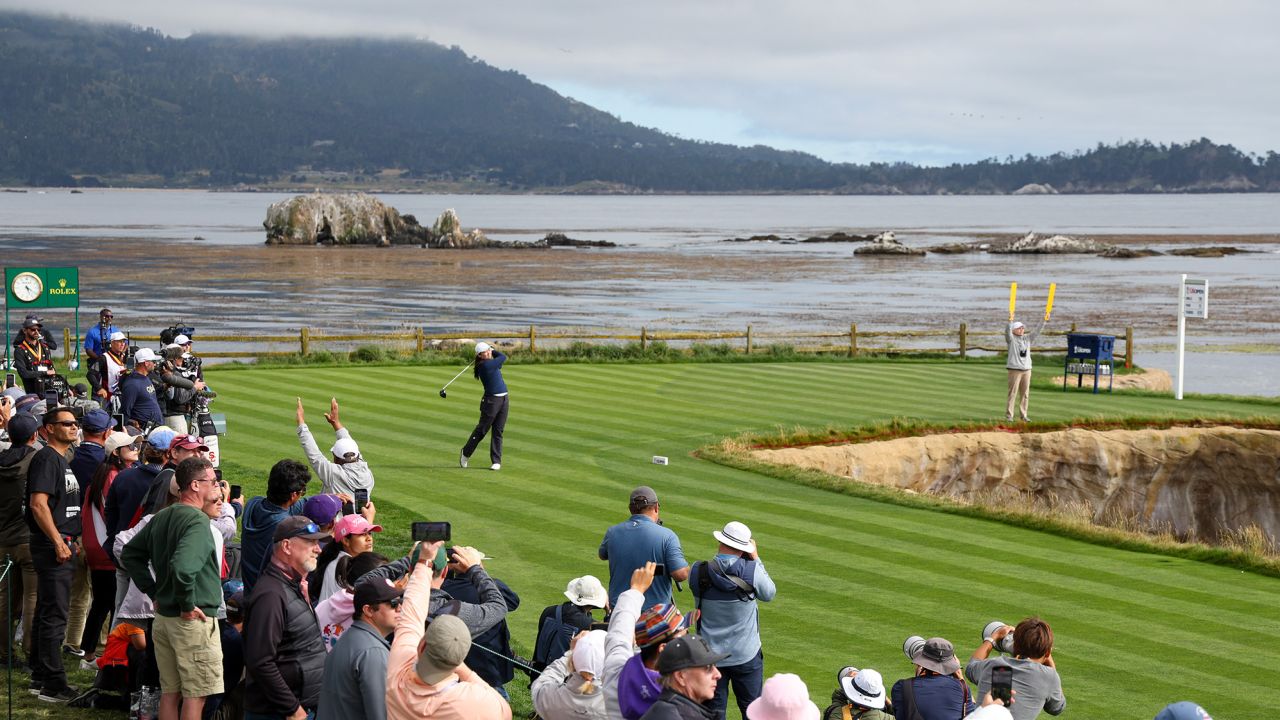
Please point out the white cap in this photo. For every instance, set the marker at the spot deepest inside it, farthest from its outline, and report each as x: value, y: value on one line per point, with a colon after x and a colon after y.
x: 145, y: 355
x: 117, y: 335
x: 344, y: 447
x: 1018, y: 325
x: 117, y: 440
x: 181, y: 340
x: 587, y: 590
x: 588, y: 654
x: 735, y: 535
x: 483, y: 347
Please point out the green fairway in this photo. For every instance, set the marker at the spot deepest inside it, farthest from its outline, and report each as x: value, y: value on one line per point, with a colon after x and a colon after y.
x: 855, y: 577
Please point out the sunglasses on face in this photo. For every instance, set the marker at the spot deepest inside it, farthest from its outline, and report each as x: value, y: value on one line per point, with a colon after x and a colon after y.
x: 65, y: 423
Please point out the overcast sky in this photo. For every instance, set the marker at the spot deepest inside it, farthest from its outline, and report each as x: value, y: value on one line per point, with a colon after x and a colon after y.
x: 931, y: 81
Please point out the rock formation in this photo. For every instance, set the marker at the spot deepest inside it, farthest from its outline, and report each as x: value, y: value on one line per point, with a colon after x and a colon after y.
x: 1127, y: 253
x: 447, y: 232
x: 1057, y: 244
x: 887, y: 244
x: 335, y: 219
x: 1208, y: 252
x: 1198, y: 483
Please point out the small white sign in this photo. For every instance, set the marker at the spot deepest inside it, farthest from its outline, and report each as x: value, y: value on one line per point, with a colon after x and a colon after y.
x: 1195, y: 299
x: 659, y: 459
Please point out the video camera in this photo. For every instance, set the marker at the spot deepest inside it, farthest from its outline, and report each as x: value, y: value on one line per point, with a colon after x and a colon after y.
x: 171, y: 333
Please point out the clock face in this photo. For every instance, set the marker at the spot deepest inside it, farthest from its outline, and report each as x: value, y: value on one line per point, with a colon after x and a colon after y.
x: 27, y: 286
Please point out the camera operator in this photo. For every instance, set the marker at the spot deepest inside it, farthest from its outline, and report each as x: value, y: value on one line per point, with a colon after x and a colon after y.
x: 33, y: 356
x: 181, y: 379
x: 138, y: 394
x: 97, y: 337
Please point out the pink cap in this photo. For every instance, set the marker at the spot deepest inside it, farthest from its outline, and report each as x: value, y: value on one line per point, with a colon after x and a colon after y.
x: 353, y: 525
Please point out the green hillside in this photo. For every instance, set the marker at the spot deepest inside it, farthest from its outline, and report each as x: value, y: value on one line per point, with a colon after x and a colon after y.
x: 93, y: 104
x: 855, y: 577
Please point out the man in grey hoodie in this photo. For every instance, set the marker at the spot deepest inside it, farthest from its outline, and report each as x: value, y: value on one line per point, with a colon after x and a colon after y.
x: 1019, y: 366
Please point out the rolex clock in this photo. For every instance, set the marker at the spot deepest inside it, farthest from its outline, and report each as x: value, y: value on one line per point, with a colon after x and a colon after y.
x: 27, y: 286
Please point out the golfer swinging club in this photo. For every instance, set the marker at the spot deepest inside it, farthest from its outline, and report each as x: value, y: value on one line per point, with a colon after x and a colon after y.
x: 1019, y: 364
x: 493, y: 406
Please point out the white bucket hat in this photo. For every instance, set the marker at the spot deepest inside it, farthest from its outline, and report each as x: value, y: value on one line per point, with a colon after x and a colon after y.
x: 587, y: 590
x: 735, y: 535
x: 864, y: 687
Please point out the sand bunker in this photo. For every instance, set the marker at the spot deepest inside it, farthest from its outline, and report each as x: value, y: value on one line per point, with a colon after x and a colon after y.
x: 1200, y: 483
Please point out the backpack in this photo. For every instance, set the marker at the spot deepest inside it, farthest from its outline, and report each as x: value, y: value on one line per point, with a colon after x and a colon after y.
x: 553, y: 639
x: 703, y: 569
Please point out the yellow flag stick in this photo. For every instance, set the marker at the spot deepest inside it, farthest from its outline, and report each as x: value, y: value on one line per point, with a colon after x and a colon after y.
x: 1048, y: 307
x: 1013, y: 299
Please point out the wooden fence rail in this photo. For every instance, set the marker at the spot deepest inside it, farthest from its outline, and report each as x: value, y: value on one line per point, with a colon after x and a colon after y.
x: 851, y: 341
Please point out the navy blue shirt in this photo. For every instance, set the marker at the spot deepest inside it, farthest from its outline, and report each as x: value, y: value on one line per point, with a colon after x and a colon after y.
x: 139, y: 400
x: 86, y: 461
x: 490, y: 372
x: 124, y: 497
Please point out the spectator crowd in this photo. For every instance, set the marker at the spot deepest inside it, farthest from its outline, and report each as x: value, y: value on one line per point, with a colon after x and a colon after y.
x: 133, y: 558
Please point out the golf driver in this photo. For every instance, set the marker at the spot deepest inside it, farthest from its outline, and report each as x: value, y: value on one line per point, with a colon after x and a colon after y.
x: 455, y: 377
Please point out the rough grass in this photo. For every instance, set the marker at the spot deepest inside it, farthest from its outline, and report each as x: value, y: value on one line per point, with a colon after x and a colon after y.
x: 1135, y: 630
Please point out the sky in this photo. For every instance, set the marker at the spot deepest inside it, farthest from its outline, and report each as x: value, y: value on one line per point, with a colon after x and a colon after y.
x: 923, y: 81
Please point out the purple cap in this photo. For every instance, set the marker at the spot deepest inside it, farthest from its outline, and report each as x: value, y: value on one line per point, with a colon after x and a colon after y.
x: 322, y: 509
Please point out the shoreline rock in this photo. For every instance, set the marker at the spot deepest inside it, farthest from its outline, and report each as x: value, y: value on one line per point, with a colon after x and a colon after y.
x: 886, y: 243
x: 1033, y: 244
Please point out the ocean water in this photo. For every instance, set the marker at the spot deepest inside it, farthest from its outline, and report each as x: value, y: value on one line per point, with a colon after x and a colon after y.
x: 834, y: 289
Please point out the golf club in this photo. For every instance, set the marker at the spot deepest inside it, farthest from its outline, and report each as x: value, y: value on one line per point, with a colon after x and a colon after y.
x: 455, y: 377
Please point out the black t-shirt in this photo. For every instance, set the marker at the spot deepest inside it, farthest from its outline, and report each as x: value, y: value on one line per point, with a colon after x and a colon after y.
x: 51, y: 474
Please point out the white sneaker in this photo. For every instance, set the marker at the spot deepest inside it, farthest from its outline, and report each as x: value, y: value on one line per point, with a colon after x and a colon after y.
x: 462, y: 460
x: 90, y: 665
x: 496, y: 466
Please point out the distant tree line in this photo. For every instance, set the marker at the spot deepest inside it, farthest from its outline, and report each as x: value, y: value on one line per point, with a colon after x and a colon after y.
x: 88, y: 101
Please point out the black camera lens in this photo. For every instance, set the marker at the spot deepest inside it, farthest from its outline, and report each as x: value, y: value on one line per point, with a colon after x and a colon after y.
x: 1022, y: 353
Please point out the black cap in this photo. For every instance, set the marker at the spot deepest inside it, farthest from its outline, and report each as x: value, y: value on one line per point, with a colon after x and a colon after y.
x: 31, y: 322
x: 643, y: 496
x: 685, y: 652
x: 373, y: 592
x: 298, y: 526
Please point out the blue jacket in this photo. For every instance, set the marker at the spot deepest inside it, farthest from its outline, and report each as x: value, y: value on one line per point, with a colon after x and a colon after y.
x: 730, y: 624
x: 490, y: 373
x: 260, y: 519
x: 139, y: 400
x: 86, y: 461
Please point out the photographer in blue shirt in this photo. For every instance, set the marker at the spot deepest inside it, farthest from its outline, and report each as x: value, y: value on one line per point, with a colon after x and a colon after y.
x: 96, y: 337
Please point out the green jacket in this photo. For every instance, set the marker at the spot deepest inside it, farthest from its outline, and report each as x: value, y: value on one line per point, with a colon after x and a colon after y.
x: 178, y: 543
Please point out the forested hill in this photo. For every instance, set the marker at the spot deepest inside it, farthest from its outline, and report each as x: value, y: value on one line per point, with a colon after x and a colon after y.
x: 85, y: 104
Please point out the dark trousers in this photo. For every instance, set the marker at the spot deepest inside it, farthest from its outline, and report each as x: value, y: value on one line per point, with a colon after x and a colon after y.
x: 53, y: 599
x: 493, y: 417
x: 747, y: 679
x: 103, y: 585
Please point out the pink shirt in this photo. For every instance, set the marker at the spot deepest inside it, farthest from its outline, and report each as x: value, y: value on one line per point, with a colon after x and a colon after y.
x: 460, y: 696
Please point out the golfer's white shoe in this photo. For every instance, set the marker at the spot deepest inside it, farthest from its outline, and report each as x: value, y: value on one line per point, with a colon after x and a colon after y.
x: 462, y: 460
x: 496, y: 466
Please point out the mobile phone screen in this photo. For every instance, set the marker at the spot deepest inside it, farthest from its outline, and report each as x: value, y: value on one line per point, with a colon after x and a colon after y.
x: 361, y: 499
x: 1002, y: 682
x: 235, y: 491
x: 432, y: 531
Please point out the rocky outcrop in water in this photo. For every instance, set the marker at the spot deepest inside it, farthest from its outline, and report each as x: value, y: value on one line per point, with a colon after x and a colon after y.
x: 1208, y: 252
x: 958, y: 248
x: 1198, y: 483
x: 835, y: 237
x: 335, y: 219
x: 1033, y: 244
x: 554, y: 240
x: 887, y: 244
x: 1125, y: 253
x: 446, y: 232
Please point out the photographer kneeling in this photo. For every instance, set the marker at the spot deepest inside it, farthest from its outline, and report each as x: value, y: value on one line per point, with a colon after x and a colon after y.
x: 182, y: 382
x: 1035, y: 677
